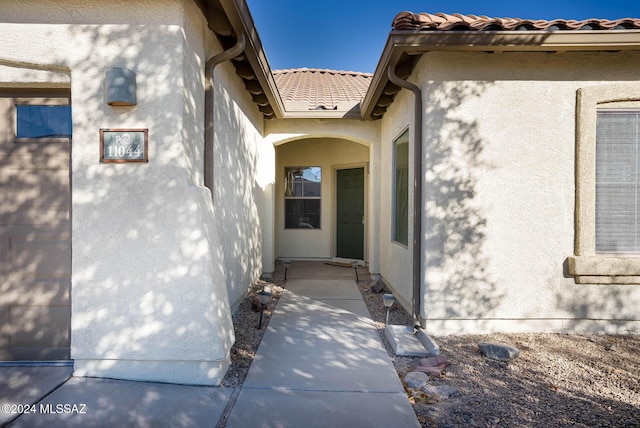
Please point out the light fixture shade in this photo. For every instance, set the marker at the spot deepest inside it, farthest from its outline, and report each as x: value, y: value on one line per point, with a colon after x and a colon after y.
x: 388, y: 299
x: 121, y: 87
x: 264, y: 297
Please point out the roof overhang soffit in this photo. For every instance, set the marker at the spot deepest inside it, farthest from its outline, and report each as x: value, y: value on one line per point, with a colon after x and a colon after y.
x: 404, y: 48
x: 229, y: 18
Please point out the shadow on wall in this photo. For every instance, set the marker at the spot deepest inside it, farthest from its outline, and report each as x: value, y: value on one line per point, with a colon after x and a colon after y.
x: 599, y: 307
x: 238, y: 197
x: 458, y: 283
x: 146, y: 279
x: 35, y: 244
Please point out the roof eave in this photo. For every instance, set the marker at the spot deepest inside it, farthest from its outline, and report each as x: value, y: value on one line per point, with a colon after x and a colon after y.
x: 401, y: 43
x: 237, y: 12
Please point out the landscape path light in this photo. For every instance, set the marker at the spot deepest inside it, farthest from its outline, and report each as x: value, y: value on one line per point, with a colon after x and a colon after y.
x: 355, y: 267
x: 388, y: 300
x: 286, y: 264
x: 263, y: 297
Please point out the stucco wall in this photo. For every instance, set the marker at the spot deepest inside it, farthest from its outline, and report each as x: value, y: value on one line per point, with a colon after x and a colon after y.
x: 499, y: 143
x: 284, y: 131
x: 153, y: 258
x: 395, y: 258
x: 243, y: 184
x: 330, y: 154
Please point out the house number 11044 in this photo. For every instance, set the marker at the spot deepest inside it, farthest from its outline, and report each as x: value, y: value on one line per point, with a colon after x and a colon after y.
x: 128, y: 151
x: 124, y: 145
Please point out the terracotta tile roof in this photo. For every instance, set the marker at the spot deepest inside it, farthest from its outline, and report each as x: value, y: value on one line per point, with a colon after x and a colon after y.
x: 457, y: 22
x: 306, y: 89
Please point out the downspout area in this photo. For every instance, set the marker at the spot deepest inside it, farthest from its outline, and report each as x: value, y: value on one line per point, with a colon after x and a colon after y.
x: 210, y: 66
x: 417, y: 191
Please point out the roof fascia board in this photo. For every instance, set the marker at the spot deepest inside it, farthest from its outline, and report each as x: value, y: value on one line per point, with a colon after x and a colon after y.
x: 390, y: 55
x: 238, y: 13
x: 417, y: 43
x: 518, y: 40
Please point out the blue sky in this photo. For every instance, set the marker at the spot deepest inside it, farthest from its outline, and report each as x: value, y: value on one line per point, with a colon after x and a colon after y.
x: 350, y: 34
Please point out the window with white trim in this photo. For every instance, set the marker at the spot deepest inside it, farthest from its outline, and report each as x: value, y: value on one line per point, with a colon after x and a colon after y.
x: 617, y: 179
x: 607, y: 249
x: 302, y: 197
x: 401, y: 189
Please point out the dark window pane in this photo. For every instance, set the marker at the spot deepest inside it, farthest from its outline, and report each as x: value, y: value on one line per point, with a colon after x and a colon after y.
x: 302, y: 214
x: 401, y: 190
x: 43, y: 121
x: 297, y: 189
x: 311, y: 189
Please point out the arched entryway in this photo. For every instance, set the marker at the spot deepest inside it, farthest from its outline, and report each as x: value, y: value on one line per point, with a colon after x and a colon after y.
x: 322, y: 199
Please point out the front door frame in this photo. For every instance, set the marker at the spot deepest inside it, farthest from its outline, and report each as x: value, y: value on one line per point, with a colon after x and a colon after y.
x: 334, y: 214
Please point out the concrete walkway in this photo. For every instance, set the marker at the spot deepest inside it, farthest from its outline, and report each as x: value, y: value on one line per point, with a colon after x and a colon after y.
x: 321, y: 363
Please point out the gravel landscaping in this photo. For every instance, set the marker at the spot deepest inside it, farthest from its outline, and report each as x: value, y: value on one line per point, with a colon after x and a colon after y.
x: 557, y: 380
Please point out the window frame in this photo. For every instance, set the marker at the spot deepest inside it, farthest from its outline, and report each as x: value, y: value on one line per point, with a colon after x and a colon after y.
x: 303, y: 198
x: 43, y: 108
x: 586, y: 265
x: 402, y: 138
x: 41, y: 100
x: 616, y: 180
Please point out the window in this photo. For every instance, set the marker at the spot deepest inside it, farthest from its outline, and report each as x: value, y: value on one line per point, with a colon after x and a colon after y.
x: 617, y: 178
x: 607, y: 176
x: 401, y: 189
x: 43, y: 121
x: 302, y: 197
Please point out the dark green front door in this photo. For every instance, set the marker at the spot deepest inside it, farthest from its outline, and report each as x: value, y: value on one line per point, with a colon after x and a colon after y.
x: 350, y: 214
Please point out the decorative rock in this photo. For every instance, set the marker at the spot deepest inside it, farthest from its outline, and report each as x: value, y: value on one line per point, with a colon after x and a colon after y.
x: 432, y: 391
x: 439, y: 361
x: 416, y: 379
x: 493, y: 420
x: 449, y: 391
x: 441, y: 392
x: 377, y: 287
x: 431, y: 371
x: 499, y: 351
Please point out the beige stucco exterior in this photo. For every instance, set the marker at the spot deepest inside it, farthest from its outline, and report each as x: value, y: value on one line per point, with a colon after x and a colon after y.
x: 330, y: 155
x: 156, y: 263
x: 588, y: 266
x: 499, y: 162
x: 160, y: 261
x: 333, y: 144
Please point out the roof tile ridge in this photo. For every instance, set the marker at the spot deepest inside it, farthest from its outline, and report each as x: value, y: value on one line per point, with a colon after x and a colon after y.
x: 321, y: 70
x: 410, y: 21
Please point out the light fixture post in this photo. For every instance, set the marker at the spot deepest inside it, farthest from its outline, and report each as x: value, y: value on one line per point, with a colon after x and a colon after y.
x: 355, y: 267
x: 388, y: 300
x: 286, y: 264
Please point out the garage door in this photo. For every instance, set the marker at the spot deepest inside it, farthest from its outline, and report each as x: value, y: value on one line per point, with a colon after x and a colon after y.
x: 35, y: 232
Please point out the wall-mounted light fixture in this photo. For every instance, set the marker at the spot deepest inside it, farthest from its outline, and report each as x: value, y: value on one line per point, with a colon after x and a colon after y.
x: 121, y: 87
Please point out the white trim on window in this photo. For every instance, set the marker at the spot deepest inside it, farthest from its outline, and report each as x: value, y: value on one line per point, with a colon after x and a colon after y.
x: 587, y: 265
x: 400, y: 190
